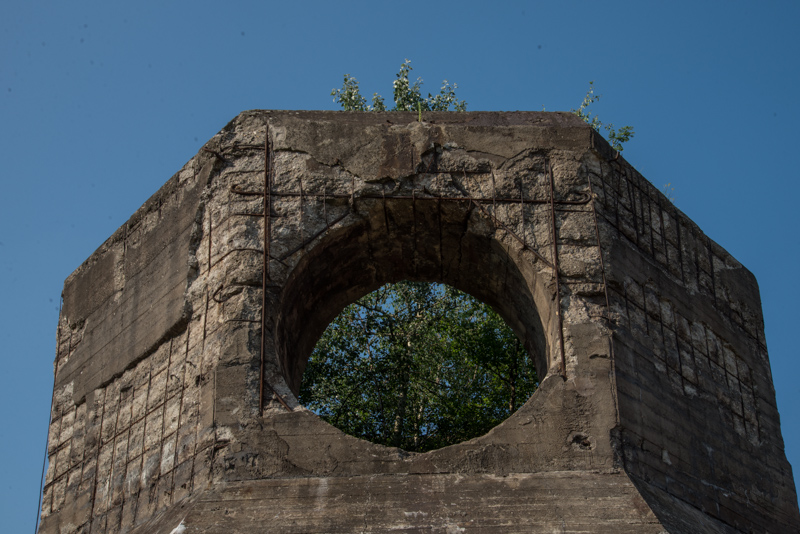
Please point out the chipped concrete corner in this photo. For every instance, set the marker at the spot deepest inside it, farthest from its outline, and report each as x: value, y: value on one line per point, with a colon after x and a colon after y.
x: 183, y: 339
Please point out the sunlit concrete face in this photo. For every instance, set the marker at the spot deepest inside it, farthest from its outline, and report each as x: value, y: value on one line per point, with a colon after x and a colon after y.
x: 183, y: 340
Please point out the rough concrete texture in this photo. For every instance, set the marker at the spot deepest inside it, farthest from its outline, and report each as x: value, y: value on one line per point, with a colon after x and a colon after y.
x: 657, y: 412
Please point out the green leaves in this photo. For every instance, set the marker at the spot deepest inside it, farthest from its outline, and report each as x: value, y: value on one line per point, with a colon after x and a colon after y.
x: 407, y: 96
x: 417, y: 366
x: 615, y: 137
x: 349, y: 96
x: 618, y: 137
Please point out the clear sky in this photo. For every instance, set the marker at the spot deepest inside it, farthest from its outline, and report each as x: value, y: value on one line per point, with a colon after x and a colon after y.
x: 101, y: 102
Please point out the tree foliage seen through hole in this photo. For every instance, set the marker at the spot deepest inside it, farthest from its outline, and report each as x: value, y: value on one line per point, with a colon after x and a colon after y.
x: 417, y: 366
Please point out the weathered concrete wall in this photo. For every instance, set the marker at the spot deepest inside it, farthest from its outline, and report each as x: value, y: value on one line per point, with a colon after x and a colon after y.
x: 697, y: 407
x: 656, y: 413
x: 125, y: 423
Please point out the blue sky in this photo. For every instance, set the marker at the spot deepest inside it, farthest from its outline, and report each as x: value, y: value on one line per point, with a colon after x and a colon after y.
x: 101, y: 102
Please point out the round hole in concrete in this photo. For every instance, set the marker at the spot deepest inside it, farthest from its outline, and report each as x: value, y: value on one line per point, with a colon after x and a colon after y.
x: 444, y: 243
x: 418, y: 366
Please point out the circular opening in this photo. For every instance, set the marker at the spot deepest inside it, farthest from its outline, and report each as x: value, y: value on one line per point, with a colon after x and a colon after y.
x: 441, y: 243
x: 418, y: 366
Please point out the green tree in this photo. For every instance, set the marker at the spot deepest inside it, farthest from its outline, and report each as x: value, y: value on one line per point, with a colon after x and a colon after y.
x: 417, y: 366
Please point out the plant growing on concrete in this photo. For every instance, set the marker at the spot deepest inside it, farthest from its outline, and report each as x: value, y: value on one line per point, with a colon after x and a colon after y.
x: 407, y: 96
x: 615, y: 137
x: 669, y: 191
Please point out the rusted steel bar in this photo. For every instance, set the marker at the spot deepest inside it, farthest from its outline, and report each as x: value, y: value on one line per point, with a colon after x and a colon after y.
x: 498, y: 222
x: 243, y: 214
x: 305, y: 243
x: 237, y: 189
x: 567, y: 210
x: 608, y: 302
x: 277, y: 396
x: 214, y: 152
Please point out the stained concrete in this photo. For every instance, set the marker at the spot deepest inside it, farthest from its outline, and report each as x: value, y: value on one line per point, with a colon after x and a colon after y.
x: 656, y: 412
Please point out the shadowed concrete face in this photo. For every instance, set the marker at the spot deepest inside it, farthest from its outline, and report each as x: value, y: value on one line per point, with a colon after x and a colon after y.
x: 183, y: 340
x: 444, y: 247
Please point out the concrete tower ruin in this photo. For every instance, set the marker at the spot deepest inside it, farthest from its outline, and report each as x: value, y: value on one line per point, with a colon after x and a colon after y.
x: 183, y: 339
